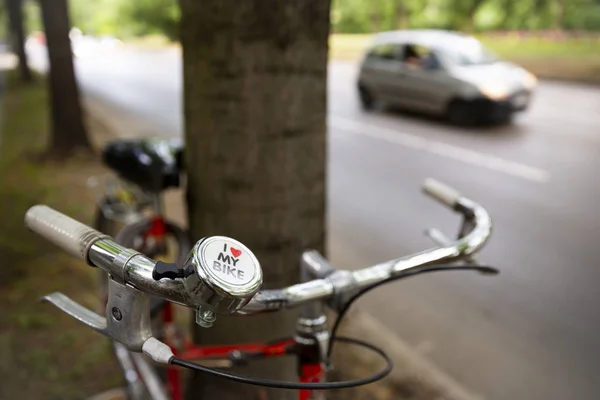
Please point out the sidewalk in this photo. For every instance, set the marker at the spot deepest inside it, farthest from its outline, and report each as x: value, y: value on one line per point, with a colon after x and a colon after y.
x: 413, y: 376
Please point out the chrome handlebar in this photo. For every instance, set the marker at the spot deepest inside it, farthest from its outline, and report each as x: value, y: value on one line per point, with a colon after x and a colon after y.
x: 343, y: 283
x: 205, y: 287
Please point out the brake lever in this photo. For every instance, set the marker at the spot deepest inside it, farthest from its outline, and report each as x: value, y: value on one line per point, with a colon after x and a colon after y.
x: 127, y: 314
x: 127, y: 320
x: 77, y: 311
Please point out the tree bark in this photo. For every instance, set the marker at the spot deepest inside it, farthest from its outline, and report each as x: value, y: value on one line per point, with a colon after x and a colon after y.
x: 17, y: 36
x: 255, y: 107
x: 68, y: 131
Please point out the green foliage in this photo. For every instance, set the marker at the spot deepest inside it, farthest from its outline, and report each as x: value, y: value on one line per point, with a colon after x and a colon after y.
x: 129, y: 18
x: 33, y: 16
x: 364, y: 16
x: 121, y: 18
x: 584, y: 16
x: 146, y: 17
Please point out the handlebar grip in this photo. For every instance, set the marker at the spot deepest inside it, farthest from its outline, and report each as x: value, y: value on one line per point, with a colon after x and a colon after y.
x: 441, y: 192
x: 72, y: 236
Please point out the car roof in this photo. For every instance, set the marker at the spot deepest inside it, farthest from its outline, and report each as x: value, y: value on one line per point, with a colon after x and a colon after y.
x: 424, y: 37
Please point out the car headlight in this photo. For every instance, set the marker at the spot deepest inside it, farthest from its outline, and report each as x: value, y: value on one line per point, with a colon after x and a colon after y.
x: 494, y: 91
x: 530, y: 81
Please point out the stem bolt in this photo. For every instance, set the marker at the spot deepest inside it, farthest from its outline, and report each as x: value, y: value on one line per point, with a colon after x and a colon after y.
x: 116, y: 313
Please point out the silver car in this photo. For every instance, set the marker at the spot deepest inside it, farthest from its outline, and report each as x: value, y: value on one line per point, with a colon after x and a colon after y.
x: 443, y: 73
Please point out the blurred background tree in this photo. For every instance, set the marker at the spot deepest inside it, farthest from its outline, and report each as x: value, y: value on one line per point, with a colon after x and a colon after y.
x: 68, y: 132
x: 14, y: 13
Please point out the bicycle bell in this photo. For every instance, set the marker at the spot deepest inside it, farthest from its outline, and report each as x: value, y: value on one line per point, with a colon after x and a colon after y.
x: 221, y: 275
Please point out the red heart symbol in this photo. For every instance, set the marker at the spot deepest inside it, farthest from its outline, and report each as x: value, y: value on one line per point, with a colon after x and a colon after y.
x: 236, y: 253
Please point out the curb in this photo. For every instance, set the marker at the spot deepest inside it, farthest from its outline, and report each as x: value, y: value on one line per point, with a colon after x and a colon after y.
x: 413, y: 377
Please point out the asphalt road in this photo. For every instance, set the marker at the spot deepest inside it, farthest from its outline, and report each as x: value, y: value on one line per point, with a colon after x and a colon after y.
x: 530, y: 333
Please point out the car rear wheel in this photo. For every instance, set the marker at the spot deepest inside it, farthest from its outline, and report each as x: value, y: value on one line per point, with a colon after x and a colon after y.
x: 367, y: 101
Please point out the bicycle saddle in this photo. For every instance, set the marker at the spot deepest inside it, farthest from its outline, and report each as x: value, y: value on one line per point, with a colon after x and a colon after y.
x: 151, y: 163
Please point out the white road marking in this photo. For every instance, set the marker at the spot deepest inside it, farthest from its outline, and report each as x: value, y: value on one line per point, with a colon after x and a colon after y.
x: 473, y: 157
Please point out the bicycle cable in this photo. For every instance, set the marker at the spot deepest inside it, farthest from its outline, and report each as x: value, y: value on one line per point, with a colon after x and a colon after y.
x: 334, y: 338
x: 483, y: 269
x: 299, y: 385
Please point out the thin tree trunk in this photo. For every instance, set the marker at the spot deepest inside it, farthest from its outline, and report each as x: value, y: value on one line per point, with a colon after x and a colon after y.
x: 68, y: 131
x: 17, y: 36
x: 376, y: 21
x: 255, y: 103
x: 469, y: 24
x: 403, y: 19
x: 402, y: 14
x: 559, y: 21
x: 508, y: 9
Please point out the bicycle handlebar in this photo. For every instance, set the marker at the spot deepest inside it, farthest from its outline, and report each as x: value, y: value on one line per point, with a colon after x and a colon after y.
x: 137, y: 270
x: 222, y: 276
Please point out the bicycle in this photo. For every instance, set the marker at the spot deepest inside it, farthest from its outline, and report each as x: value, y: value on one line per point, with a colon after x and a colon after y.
x: 130, y: 206
x: 205, y: 283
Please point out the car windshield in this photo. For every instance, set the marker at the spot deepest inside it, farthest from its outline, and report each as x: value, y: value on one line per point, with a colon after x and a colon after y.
x: 469, y: 52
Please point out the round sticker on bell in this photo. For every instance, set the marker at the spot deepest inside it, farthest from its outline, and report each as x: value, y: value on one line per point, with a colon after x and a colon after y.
x: 229, y: 261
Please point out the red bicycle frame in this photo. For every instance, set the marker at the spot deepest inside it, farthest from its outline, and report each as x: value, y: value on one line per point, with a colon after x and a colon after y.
x: 309, y: 372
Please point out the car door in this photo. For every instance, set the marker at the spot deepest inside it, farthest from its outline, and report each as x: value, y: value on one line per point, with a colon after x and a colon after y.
x: 380, y: 71
x: 425, y: 84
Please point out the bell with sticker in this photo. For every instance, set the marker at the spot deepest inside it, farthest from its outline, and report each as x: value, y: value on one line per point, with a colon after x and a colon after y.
x: 221, y: 276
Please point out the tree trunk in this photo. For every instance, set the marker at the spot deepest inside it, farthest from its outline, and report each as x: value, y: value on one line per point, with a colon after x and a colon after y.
x: 68, y: 131
x: 508, y: 8
x: 559, y: 20
x: 17, y: 37
x: 376, y: 18
x: 402, y: 14
x: 469, y: 22
x: 403, y: 19
x: 255, y: 106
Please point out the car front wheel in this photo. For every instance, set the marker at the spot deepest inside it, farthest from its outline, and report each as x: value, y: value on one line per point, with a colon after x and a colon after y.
x: 459, y: 112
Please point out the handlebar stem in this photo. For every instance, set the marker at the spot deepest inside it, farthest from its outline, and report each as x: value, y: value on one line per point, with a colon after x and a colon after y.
x: 313, y: 266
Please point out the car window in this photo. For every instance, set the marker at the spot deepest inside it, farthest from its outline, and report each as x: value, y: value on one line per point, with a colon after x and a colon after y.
x: 470, y: 53
x: 385, y: 52
x: 420, y: 57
